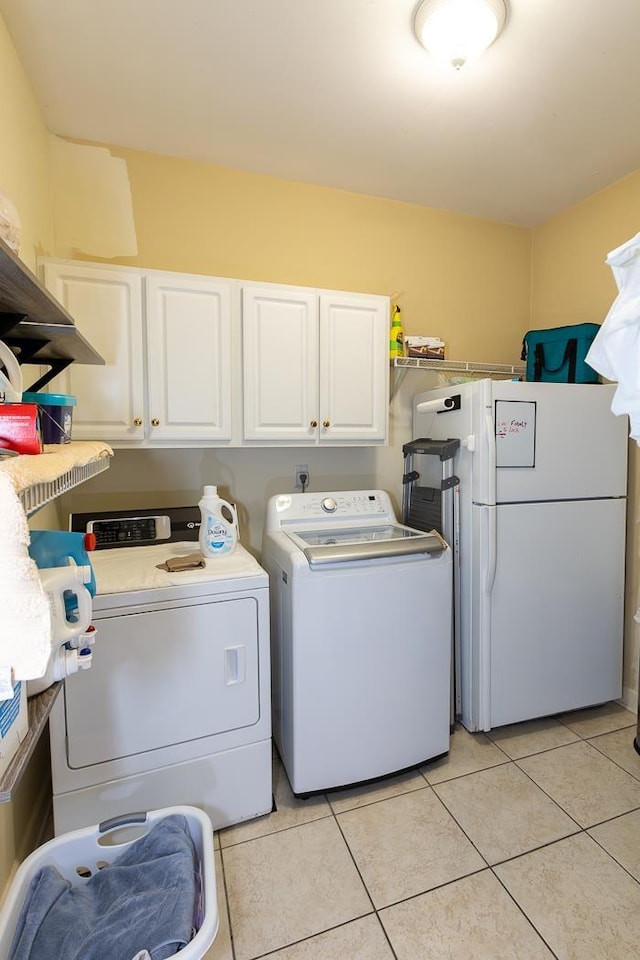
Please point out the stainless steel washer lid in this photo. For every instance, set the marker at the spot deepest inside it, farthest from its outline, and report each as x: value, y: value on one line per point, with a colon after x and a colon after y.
x: 364, y: 543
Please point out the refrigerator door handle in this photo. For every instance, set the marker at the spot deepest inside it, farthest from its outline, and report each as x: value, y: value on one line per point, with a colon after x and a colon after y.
x: 491, y: 555
x: 490, y: 441
x: 488, y: 554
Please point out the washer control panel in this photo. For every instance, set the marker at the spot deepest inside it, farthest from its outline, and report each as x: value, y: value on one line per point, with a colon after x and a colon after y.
x: 359, y: 505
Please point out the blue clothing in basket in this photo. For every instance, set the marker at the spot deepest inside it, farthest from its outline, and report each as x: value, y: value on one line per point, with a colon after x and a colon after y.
x: 145, y: 900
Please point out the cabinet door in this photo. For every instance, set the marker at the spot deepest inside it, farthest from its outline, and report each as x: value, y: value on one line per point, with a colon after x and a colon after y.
x: 106, y: 304
x: 280, y: 344
x: 188, y: 357
x: 354, y: 368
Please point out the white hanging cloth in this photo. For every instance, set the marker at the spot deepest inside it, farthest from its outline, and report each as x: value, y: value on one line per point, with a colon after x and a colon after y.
x: 615, y: 351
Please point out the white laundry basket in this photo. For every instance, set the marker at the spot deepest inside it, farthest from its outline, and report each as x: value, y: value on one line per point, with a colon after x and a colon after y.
x: 79, y: 854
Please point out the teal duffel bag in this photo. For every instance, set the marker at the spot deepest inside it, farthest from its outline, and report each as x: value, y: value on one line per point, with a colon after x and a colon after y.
x: 557, y: 355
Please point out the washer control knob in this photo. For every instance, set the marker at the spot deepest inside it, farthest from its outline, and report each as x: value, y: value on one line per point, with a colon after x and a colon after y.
x: 329, y: 505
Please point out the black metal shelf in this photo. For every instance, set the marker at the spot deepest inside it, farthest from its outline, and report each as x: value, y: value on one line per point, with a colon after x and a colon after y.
x: 32, y: 322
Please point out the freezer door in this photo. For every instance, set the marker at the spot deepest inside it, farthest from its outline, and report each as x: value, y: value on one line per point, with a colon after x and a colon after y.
x: 555, y: 617
x: 555, y: 442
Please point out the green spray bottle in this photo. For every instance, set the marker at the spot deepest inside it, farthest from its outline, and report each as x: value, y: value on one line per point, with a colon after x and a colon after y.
x: 396, y: 337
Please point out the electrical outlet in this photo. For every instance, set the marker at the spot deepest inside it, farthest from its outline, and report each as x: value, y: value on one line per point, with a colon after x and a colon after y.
x: 302, y: 471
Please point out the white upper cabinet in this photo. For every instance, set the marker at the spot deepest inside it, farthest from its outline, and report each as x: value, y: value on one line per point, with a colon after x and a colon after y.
x: 280, y: 364
x: 354, y: 367
x: 106, y: 305
x: 315, y: 366
x: 188, y: 357
x: 205, y: 361
x: 166, y: 341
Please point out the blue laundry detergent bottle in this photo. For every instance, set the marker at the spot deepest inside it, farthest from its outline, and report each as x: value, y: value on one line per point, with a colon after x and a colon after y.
x: 60, y: 548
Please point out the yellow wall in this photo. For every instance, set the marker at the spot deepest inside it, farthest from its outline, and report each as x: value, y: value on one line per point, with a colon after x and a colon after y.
x: 460, y: 278
x: 24, y: 178
x: 572, y: 284
x: 24, y: 154
x: 570, y: 281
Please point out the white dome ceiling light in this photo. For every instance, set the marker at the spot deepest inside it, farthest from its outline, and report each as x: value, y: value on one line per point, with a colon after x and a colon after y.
x: 457, y: 31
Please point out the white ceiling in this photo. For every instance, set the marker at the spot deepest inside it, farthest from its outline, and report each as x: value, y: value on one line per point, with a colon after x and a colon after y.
x: 340, y: 93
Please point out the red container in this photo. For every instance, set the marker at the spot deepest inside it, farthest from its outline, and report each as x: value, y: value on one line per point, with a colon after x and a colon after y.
x: 20, y: 427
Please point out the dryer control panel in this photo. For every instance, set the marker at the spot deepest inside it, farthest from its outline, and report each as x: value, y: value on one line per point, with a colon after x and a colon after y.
x: 138, y: 528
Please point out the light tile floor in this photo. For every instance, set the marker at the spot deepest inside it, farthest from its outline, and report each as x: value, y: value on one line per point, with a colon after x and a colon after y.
x: 523, y: 844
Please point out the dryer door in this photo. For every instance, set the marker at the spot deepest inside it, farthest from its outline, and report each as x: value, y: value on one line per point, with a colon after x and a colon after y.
x: 164, y: 677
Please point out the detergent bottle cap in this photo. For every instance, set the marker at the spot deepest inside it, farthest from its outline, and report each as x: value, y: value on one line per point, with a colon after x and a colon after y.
x: 210, y: 491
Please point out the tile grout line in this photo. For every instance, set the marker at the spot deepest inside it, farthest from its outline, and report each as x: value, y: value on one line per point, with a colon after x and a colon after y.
x: 337, y: 926
x: 547, y: 795
x: 557, y: 802
x: 470, y: 773
x: 527, y: 918
x: 353, y: 859
x: 604, y: 850
x: 462, y: 830
x: 602, y: 753
x: 272, y: 833
x: 227, y: 907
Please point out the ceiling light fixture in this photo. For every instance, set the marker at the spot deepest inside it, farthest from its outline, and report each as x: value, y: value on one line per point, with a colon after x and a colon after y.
x: 457, y: 31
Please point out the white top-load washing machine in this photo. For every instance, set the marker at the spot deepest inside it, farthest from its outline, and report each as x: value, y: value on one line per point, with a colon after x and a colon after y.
x: 176, y: 707
x: 361, y: 638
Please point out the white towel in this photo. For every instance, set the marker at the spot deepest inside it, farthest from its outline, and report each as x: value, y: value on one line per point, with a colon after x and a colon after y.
x: 56, y: 460
x: 615, y: 351
x: 25, y: 618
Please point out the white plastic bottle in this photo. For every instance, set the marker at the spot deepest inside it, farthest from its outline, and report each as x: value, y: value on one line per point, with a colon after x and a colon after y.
x: 218, y: 525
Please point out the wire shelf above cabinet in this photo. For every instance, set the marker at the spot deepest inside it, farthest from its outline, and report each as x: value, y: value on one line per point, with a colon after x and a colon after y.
x: 460, y: 366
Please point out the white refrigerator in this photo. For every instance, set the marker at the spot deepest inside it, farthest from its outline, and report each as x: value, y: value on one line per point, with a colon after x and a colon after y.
x: 542, y: 508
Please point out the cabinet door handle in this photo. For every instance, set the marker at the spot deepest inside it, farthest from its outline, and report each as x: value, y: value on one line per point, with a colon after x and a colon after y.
x: 155, y: 422
x: 137, y: 422
x: 326, y: 423
x: 314, y: 423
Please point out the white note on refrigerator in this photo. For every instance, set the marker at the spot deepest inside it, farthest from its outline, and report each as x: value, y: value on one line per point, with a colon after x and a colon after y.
x: 515, y: 433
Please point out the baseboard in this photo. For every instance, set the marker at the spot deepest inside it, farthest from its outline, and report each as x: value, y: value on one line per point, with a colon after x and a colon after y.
x: 629, y: 699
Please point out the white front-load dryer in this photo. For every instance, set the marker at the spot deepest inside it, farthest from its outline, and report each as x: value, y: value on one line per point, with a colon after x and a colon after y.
x: 176, y: 706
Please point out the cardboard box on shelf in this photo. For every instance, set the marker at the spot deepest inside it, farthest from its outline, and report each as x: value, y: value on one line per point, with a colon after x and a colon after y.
x: 425, y: 348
